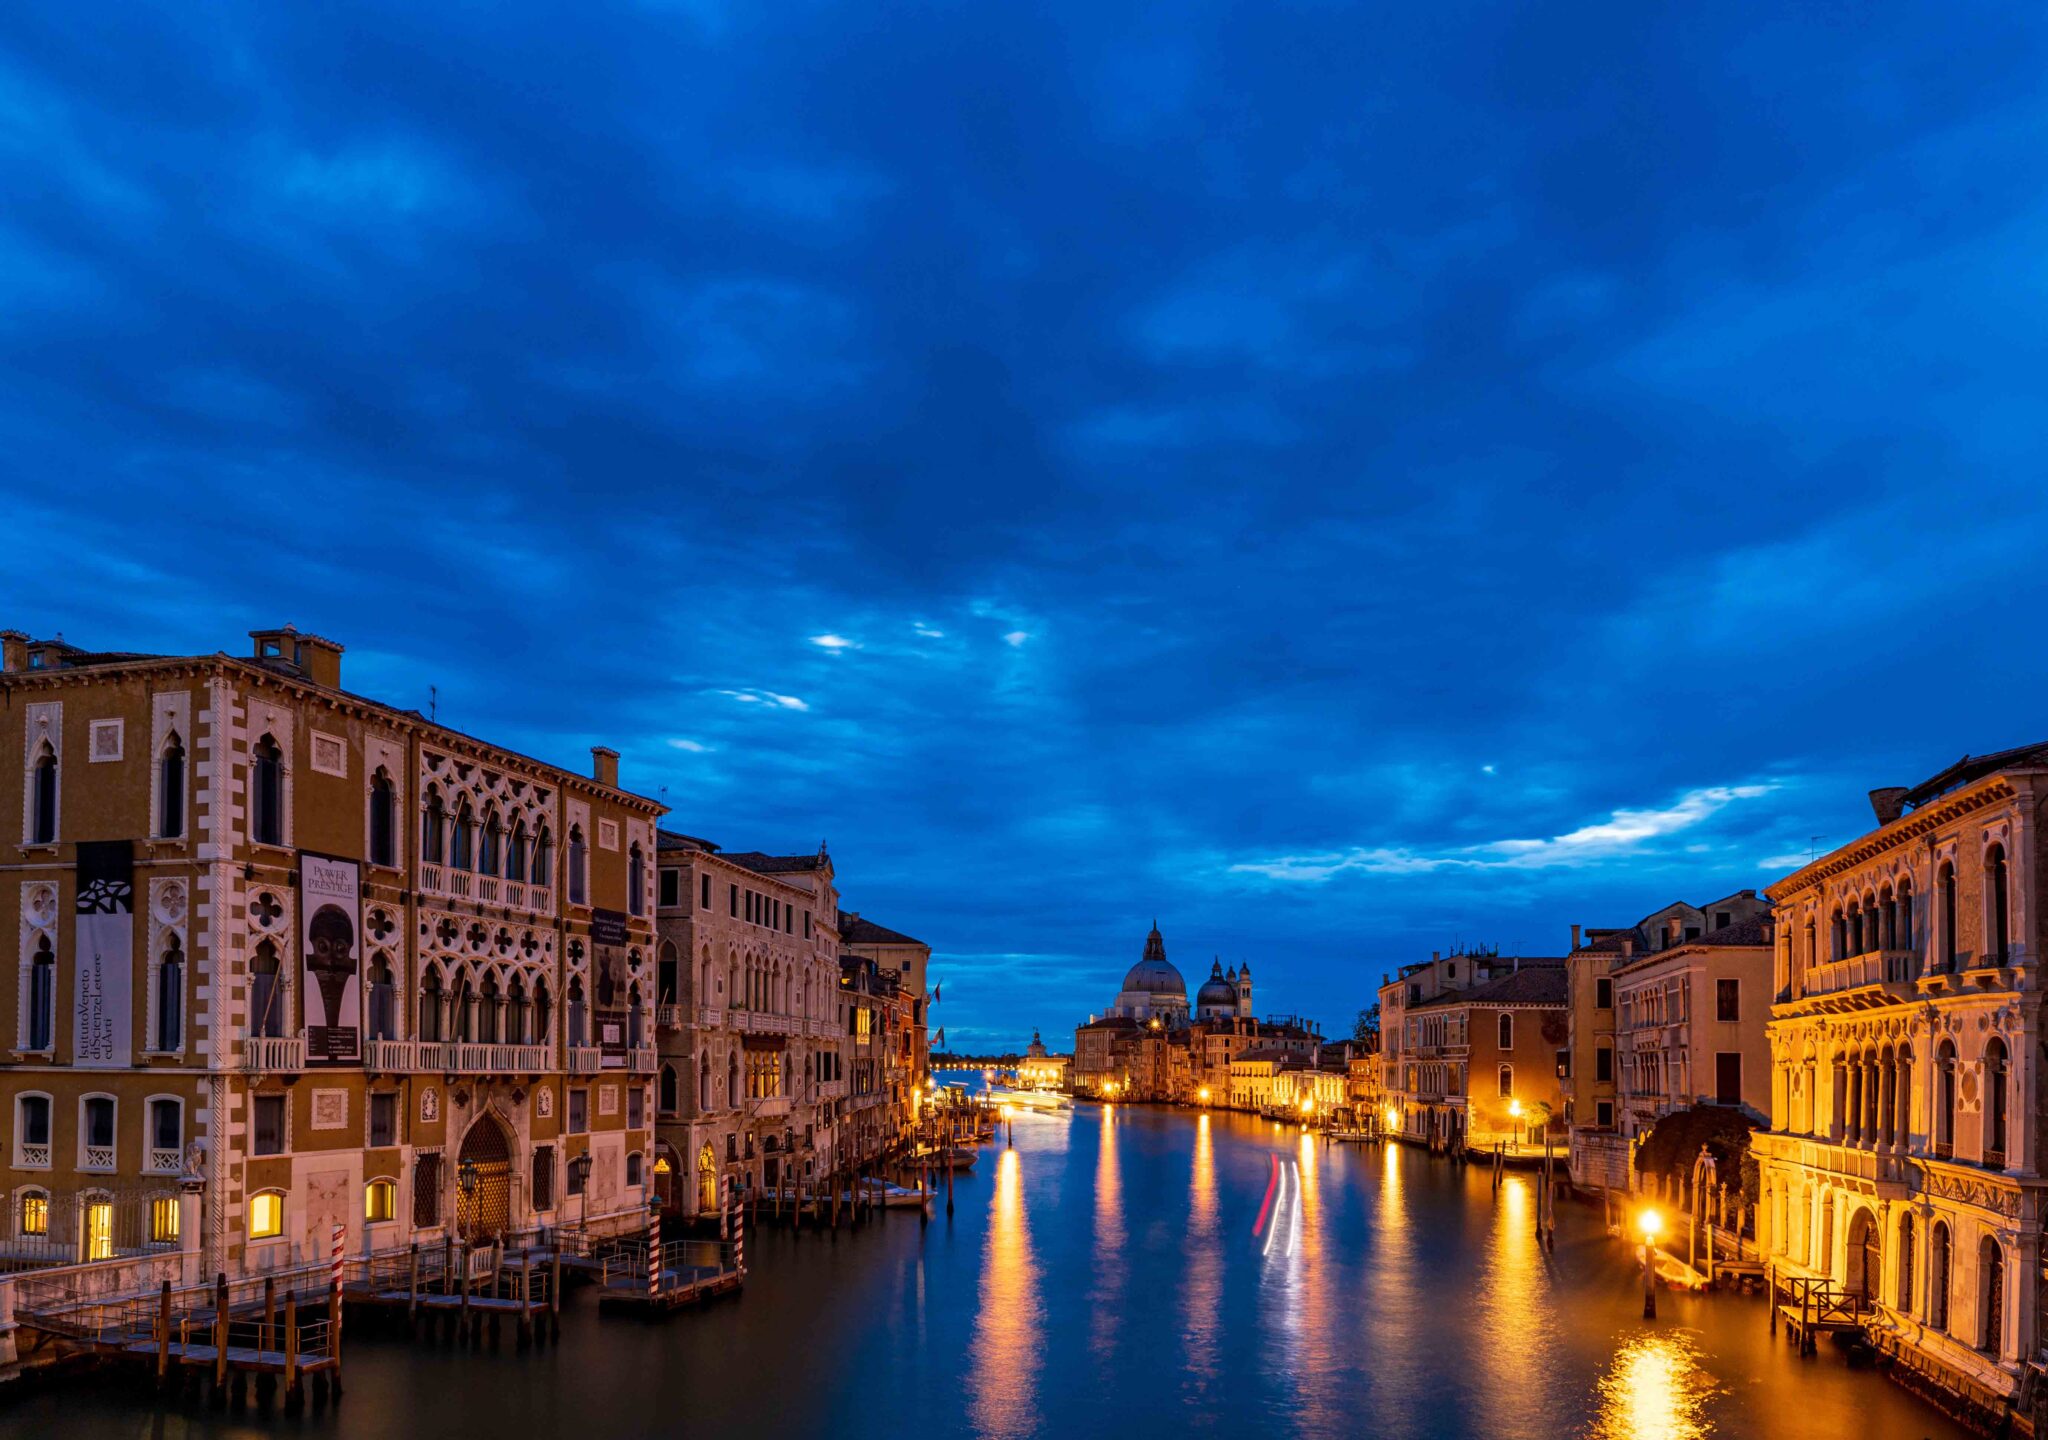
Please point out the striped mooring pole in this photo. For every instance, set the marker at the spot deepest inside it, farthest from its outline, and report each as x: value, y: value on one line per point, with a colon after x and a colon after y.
x: 653, y: 1251
x: 739, y: 1240
x: 334, y: 1255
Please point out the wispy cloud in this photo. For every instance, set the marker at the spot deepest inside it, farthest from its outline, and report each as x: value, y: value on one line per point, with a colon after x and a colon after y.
x: 765, y: 697
x: 834, y: 642
x: 1625, y: 834
x: 690, y: 747
x: 1016, y: 638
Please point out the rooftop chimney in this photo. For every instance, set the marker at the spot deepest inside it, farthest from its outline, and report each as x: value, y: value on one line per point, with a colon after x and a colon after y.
x: 1575, y: 937
x: 13, y: 651
x: 1888, y: 803
x: 1628, y: 946
x: 604, y: 766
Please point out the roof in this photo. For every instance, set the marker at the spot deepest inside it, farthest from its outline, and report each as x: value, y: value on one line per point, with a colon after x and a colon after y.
x: 1264, y: 1052
x: 1754, y: 934
x: 853, y: 930
x: 1538, y: 982
x: 677, y: 840
x: 1974, y: 767
x: 1111, y: 1022
x: 762, y: 864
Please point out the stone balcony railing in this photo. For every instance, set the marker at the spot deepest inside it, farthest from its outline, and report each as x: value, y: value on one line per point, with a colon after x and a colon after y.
x: 768, y: 1107
x: 710, y: 1017
x: 449, y: 883
x: 643, y: 1061
x: 668, y: 1017
x: 273, y: 1054
x: 585, y: 1059
x: 457, y: 1057
x: 1886, y: 975
x: 764, y: 1022
x: 159, y: 1160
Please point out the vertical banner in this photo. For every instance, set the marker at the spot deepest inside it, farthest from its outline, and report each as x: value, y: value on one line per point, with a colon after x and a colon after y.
x: 105, y: 946
x: 608, y: 967
x: 330, y: 920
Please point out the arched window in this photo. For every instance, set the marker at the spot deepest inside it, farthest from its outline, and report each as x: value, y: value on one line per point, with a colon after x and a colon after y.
x: 704, y: 1083
x: 671, y: 1091
x: 33, y: 1217
x: 578, y: 1030
x: 433, y: 840
x: 519, y: 1015
x: 266, y: 992
x: 170, y: 998
x: 732, y: 1079
x: 1938, y: 1276
x: 1945, y: 1100
x: 1839, y: 926
x: 32, y: 1131
x: 1995, y: 1093
x: 461, y: 838
x: 1991, y: 1286
x: 1506, y: 1080
x: 1999, y: 897
x: 266, y: 800
x: 1907, y: 1257
x: 42, y: 996
x: 543, y: 1012
x: 383, y: 820
x: 430, y: 1007
x: 576, y: 864
x: 636, y: 879
x: 1948, y: 918
x: 636, y: 1023
x: 42, y: 827
x: 462, y: 1010
x: 667, y: 975
x: 487, y: 1011
x: 380, y: 1202
x: 266, y: 1215
x: 543, y: 858
x: 383, y: 999
x: 170, y: 788
x: 489, y: 843
x: 96, y: 1133
x: 1506, y: 1029
x: 166, y: 1132
x: 515, y: 857
x: 1905, y: 907
x: 633, y: 1168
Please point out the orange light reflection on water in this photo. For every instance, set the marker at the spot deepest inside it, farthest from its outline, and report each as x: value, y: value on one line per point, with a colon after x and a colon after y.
x: 1109, y: 1244
x: 1655, y: 1390
x: 1203, y: 1293
x: 1008, y: 1343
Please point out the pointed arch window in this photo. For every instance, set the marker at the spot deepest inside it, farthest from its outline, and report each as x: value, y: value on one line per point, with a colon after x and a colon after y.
x: 2000, y: 898
x: 266, y: 992
x: 488, y: 1011
x: 576, y: 857
x: 42, y: 829
x: 383, y: 819
x: 543, y: 858
x: 1905, y: 907
x: 383, y: 1000
x: 518, y: 1014
x: 461, y: 839
x: 636, y: 879
x: 543, y: 1013
x: 462, y: 1011
x: 578, y: 1031
x: 170, y: 788
x: 671, y: 1091
x: 42, y: 996
x: 266, y: 800
x: 515, y: 857
x: 430, y: 1007
x: 490, y: 841
x: 433, y: 823
x: 170, y: 998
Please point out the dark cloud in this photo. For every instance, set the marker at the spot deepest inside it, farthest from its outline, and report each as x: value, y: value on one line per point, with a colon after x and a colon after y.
x: 1265, y: 462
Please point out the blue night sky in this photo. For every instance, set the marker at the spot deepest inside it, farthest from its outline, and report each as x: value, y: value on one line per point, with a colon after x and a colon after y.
x: 1347, y: 479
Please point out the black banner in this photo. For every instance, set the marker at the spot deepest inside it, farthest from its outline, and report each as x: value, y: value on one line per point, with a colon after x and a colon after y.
x: 608, y: 972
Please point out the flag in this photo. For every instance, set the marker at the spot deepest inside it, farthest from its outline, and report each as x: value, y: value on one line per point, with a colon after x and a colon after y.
x: 942, y: 1037
x: 935, y: 991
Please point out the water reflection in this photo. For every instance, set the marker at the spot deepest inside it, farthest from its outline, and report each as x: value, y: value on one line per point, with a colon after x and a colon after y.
x: 1656, y: 1389
x: 1008, y: 1325
x: 1202, y: 1294
x: 1311, y: 1333
x: 1109, y: 1242
x: 1511, y: 1305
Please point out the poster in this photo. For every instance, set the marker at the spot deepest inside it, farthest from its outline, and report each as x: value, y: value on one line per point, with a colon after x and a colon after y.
x: 608, y: 968
x: 102, y: 1012
x: 331, y: 920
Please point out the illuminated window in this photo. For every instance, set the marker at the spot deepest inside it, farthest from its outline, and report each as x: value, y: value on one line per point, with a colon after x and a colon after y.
x: 266, y: 1215
x: 380, y: 1200
x: 35, y: 1214
x: 99, y: 1230
x: 163, y: 1220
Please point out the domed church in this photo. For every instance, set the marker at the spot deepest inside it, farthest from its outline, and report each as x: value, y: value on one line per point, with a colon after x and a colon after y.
x: 1225, y: 996
x: 1153, y: 989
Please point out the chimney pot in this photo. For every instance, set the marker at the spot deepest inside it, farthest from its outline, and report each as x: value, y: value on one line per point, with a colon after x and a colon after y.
x: 13, y: 651
x: 1888, y: 803
x: 604, y: 765
x: 1575, y: 937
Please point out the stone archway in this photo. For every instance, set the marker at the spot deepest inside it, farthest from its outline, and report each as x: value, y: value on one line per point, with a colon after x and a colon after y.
x: 707, y: 1180
x: 1863, y: 1260
x: 484, y: 1212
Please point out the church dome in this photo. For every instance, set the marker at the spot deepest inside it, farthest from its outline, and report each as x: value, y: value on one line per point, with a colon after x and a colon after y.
x: 1216, y: 990
x: 1154, y: 974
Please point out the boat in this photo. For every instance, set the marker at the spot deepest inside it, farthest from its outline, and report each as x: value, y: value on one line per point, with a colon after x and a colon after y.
x: 886, y: 1194
x: 948, y: 1157
x: 1030, y: 1099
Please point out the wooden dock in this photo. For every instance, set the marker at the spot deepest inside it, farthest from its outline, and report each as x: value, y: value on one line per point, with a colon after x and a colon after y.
x: 690, y: 1272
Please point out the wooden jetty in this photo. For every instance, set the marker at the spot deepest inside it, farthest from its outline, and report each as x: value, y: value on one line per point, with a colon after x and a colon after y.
x: 1813, y: 1306
x: 464, y: 1288
x: 689, y: 1272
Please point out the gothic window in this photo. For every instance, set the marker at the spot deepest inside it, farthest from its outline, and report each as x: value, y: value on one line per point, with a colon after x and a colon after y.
x: 515, y: 857
x: 1999, y: 897
x: 170, y: 788
x: 383, y: 1001
x: 383, y: 820
x: 266, y: 992
x: 543, y: 858
x: 461, y: 838
x: 487, y: 1011
x: 519, y: 1015
x: 704, y: 1083
x: 1905, y: 909
x: 543, y: 1012
x: 671, y: 1099
x: 635, y: 1023
x: 490, y: 840
x: 430, y: 1007
x: 462, y: 1010
x: 666, y: 975
x: 432, y: 821
x: 576, y: 865
x: 170, y: 998
x: 266, y: 798
x: 1948, y: 918
x: 577, y: 1029
x: 42, y: 829
x: 636, y: 880
x: 42, y: 996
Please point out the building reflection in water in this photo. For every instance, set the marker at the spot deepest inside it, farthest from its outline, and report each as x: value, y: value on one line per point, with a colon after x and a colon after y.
x: 1202, y: 1291
x: 1109, y: 1243
x: 1311, y: 1326
x: 1009, y: 1323
x: 1656, y: 1389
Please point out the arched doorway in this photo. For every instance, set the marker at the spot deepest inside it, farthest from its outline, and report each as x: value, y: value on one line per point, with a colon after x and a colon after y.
x: 484, y: 1211
x: 668, y: 1175
x: 1863, y: 1261
x: 707, y: 1180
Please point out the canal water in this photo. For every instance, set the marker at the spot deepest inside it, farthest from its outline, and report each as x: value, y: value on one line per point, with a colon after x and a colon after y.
x: 1128, y: 1272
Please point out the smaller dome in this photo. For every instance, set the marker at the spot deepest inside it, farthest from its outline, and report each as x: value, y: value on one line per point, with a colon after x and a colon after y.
x: 1216, y: 992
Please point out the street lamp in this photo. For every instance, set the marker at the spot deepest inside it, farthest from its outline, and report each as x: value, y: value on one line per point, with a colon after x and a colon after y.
x: 579, y: 1169
x: 1649, y: 1222
x: 1010, y: 1119
x: 1204, y: 1094
x: 466, y: 1181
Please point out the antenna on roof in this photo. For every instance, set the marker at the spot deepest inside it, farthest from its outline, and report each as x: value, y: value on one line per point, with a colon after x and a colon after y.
x: 433, y: 702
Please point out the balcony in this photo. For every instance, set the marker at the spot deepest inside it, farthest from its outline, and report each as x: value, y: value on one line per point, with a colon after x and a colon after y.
x: 710, y: 1017
x: 585, y: 1059
x: 451, y: 884
x: 160, y: 1161
x: 273, y: 1054
x: 763, y: 1022
x: 768, y: 1107
x: 1876, y: 977
x: 482, y: 1058
x: 668, y: 1017
x: 643, y: 1061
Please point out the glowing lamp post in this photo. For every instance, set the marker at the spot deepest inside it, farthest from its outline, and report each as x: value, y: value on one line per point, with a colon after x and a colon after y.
x: 1203, y: 1094
x: 1393, y: 1119
x: 467, y: 1181
x: 580, y: 1168
x: 1010, y: 1121
x: 1649, y: 1223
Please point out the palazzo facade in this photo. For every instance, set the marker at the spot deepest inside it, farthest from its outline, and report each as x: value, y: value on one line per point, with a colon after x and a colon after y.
x: 1904, y: 1158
